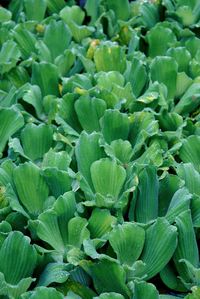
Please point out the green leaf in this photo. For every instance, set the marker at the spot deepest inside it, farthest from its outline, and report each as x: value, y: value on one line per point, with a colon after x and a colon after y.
x: 191, y: 177
x: 67, y: 111
x: 160, y: 244
x: 186, y: 235
x: 195, y: 293
x: 127, y: 241
x: 147, y: 196
x: 136, y: 74
x: 167, y: 187
x: 146, y: 290
x: 159, y: 39
x: 31, y: 187
x: 100, y: 223
x: 59, y: 181
x: 102, y: 271
x: 120, y: 149
x: 115, y: 125
x: 189, y: 101
x: 53, y: 224
x: 180, y: 202
x: 73, y: 13
x: 164, y: 70
x: 16, y: 244
x: 43, y: 293
x: 94, y: 108
x: 170, y: 121
x: 79, y: 33
x: 120, y: 7
x: 45, y: 75
x: 107, y: 177
x: 5, y: 15
x: 182, y: 84
x: 60, y: 160
x: 189, y: 152
x: 87, y: 151
x: 54, y: 33
x: 143, y: 125
x: 170, y: 279
x: 33, y: 97
x: 35, y: 10
x: 77, y: 231
x: 54, y: 6
x: 41, y: 136
x: 9, y: 56
x: 64, y: 62
x: 182, y: 57
x: 25, y: 40
x: 110, y: 57
x: 11, y: 121
x: 54, y: 273
x: 106, y: 80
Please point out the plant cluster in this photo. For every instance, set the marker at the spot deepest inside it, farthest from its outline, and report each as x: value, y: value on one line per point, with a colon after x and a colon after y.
x: 100, y: 149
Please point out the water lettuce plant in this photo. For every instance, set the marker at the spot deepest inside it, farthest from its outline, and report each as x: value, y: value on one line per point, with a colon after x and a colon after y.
x: 99, y: 149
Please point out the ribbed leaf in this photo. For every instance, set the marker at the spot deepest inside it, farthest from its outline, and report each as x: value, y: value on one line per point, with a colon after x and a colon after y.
x: 110, y: 57
x: 159, y: 39
x: 87, y: 151
x: 60, y: 160
x: 164, y: 70
x: 52, y: 227
x: 5, y: 15
x: 101, y: 273
x: 145, y: 290
x: 180, y: 202
x: 189, y: 152
x: 45, y: 75
x: 182, y: 57
x: 189, y: 101
x: 170, y: 279
x: 34, y: 97
x: 115, y: 125
x: 54, y: 273
x: 77, y: 231
x: 35, y: 9
x: 25, y: 40
x: 43, y: 293
x: 54, y: 6
x: 73, y: 13
x: 94, y: 109
x: 107, y: 177
x: 100, y: 223
x: 11, y: 121
x: 191, y: 177
x: 9, y: 56
x: 147, y: 196
x: 31, y: 187
x: 136, y: 74
x: 167, y: 187
x: 127, y: 240
x: 58, y: 181
x: 160, y: 244
x: 143, y: 125
x: 36, y: 140
x: 17, y: 245
x: 54, y: 33
x: 120, y: 149
x: 121, y: 14
x: 187, y: 245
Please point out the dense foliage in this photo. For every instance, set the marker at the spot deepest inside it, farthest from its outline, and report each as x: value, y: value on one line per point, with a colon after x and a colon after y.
x: 100, y: 149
